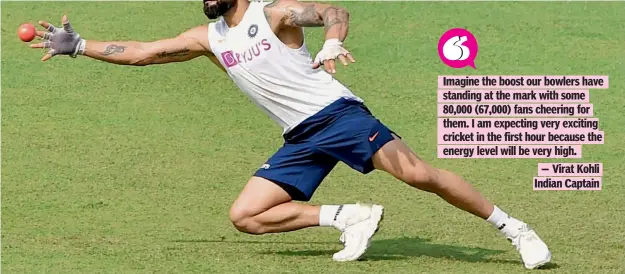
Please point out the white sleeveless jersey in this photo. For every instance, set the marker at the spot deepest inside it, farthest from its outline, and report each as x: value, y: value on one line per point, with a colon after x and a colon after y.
x: 277, y: 78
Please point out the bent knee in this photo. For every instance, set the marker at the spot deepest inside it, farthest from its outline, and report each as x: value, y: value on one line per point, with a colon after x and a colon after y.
x: 243, y: 221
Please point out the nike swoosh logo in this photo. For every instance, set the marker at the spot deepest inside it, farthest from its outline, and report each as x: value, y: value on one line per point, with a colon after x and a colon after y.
x: 373, y: 137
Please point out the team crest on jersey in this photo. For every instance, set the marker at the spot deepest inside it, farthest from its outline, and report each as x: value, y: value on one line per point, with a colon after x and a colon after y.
x: 252, y: 31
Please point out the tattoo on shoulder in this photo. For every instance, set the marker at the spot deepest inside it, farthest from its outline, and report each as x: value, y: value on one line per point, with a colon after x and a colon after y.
x: 182, y: 52
x: 113, y: 49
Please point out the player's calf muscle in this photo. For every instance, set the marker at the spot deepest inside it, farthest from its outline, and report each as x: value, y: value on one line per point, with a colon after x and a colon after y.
x: 424, y: 178
x: 421, y: 175
x: 281, y: 218
x: 244, y: 222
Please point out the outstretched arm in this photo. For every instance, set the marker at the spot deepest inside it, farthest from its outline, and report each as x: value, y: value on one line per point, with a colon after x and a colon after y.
x: 65, y: 41
x: 178, y: 49
x: 334, y: 19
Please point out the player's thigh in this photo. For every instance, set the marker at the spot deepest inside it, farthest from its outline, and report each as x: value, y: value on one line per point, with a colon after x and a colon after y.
x: 258, y: 195
x: 354, y: 138
x: 293, y: 173
x: 298, y: 169
x: 396, y: 158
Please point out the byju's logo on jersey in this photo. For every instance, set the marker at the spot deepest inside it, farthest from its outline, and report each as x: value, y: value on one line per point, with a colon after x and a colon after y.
x: 232, y: 59
x: 228, y: 58
x: 252, y: 31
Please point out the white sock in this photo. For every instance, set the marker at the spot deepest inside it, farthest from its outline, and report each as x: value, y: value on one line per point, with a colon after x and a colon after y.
x: 328, y: 213
x: 497, y: 218
x: 507, y: 225
x: 337, y: 216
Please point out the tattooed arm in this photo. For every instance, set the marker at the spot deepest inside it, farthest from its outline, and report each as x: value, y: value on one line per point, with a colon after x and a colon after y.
x: 66, y: 41
x: 186, y: 46
x: 291, y: 13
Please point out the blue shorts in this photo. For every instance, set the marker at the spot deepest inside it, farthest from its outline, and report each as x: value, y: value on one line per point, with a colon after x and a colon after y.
x: 343, y: 131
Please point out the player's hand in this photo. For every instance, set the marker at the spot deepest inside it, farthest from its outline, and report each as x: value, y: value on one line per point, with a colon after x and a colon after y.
x: 332, y: 50
x: 64, y: 41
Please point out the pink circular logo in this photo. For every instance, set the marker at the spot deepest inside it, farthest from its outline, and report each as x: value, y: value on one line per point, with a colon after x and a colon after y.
x: 457, y: 48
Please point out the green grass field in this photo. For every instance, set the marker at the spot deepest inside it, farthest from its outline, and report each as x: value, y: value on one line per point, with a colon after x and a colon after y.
x: 111, y: 169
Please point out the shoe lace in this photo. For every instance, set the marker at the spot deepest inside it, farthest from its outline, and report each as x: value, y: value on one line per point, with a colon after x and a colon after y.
x: 523, y: 236
x: 344, y: 226
x: 348, y: 234
x: 347, y: 238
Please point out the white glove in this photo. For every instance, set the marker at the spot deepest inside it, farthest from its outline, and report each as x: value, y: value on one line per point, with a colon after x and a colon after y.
x: 332, y: 49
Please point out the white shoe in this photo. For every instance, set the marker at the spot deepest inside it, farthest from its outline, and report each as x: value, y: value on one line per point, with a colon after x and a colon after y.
x: 534, y: 252
x: 358, y: 232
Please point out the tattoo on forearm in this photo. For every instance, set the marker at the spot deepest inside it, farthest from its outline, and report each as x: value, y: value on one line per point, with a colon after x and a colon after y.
x: 334, y: 16
x: 308, y: 15
x: 113, y: 49
x: 183, y: 52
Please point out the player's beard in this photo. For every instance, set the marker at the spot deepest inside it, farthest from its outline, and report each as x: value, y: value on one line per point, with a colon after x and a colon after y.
x: 213, y: 11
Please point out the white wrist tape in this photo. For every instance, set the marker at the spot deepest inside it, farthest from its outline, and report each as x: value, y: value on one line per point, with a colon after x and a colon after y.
x: 332, y: 43
x: 80, y: 48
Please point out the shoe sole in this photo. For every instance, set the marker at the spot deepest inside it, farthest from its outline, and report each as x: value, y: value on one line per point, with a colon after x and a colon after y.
x: 377, y: 215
